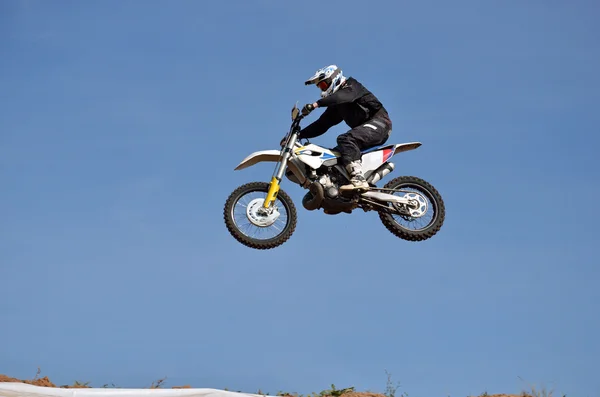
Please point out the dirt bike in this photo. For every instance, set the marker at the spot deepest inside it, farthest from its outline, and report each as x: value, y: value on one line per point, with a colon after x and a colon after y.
x: 317, y: 169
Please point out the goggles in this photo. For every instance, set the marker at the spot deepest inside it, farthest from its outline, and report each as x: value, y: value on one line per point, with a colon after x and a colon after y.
x: 323, y: 85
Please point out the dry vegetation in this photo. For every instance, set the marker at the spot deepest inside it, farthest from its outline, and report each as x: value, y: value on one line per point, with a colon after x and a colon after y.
x: 390, y: 391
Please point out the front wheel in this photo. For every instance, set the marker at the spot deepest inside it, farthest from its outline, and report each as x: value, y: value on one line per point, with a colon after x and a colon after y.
x: 426, y: 203
x: 244, y: 215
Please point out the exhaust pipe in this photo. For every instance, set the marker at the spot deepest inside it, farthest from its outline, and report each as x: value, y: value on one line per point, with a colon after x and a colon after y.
x: 317, y: 193
x: 380, y: 172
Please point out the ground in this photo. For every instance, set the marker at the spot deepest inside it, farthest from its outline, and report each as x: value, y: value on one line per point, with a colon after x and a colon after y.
x: 45, y: 382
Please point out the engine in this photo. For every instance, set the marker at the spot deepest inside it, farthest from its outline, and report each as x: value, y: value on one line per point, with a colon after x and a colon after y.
x: 324, y: 194
x: 329, y: 187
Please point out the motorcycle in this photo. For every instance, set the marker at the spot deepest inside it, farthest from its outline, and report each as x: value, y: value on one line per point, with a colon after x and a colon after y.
x: 316, y: 169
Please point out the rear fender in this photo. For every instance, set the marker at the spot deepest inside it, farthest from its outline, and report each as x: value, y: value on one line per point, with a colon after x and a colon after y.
x: 404, y: 147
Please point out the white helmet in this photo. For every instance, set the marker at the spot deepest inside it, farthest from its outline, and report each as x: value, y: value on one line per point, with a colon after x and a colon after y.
x: 329, y: 79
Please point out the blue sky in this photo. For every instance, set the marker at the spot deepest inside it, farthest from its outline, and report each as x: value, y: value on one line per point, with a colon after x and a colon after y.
x: 122, y: 123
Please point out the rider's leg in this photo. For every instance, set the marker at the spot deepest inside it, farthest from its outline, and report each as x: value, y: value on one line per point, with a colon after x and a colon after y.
x: 370, y: 134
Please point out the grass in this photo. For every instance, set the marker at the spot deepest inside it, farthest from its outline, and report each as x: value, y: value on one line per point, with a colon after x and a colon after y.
x: 533, y: 392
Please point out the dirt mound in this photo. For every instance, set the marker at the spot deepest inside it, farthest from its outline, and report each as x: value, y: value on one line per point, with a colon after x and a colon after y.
x: 36, y: 381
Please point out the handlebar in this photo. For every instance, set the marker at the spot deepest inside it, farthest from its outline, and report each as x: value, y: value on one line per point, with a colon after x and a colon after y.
x: 296, y: 124
x: 294, y: 128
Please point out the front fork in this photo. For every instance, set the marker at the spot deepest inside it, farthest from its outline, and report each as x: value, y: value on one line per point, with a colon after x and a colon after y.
x: 279, y: 170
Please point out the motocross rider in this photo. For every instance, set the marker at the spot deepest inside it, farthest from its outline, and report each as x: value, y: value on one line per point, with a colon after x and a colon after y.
x: 345, y: 99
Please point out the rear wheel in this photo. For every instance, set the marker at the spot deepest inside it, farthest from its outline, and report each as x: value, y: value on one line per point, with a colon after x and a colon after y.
x: 420, y: 220
x: 257, y: 227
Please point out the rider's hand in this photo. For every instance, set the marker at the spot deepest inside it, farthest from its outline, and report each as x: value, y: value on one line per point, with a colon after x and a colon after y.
x: 309, y: 107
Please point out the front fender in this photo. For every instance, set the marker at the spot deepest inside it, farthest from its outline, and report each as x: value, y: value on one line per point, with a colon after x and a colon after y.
x: 258, y: 157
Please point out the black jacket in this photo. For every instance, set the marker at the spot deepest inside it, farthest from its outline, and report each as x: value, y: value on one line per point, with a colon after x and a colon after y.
x: 352, y: 103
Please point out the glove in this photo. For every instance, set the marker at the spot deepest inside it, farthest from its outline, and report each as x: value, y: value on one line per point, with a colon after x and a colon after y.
x: 307, y: 109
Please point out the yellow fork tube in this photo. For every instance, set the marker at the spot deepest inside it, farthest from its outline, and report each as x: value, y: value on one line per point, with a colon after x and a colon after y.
x: 274, y: 185
x: 272, y: 194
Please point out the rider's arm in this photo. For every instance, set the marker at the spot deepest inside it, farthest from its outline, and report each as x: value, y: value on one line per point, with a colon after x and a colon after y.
x: 328, y: 119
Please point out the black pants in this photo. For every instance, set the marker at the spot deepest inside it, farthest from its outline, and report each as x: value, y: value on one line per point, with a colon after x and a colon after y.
x: 372, y: 133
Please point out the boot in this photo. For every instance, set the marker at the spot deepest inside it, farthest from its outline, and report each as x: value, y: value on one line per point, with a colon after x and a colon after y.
x: 357, y: 179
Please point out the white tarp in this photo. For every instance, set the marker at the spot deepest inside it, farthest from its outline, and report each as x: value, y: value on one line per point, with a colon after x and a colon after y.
x: 14, y: 389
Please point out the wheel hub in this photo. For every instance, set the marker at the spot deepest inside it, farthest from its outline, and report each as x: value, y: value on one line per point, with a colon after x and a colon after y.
x: 417, y: 206
x: 259, y: 215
